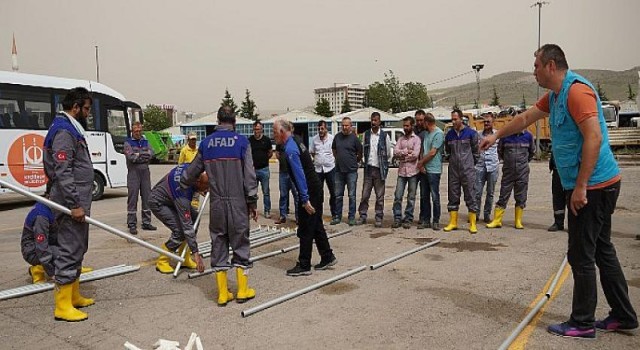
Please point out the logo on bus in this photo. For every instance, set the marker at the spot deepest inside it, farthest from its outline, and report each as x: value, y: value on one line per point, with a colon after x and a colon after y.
x: 25, y: 159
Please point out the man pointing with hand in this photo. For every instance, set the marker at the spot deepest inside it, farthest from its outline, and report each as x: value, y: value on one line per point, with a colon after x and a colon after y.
x: 591, y: 180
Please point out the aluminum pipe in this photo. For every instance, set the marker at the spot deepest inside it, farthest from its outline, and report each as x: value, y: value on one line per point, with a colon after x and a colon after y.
x: 398, y: 257
x: 300, y: 292
x: 196, y: 224
x: 91, y: 221
x: 516, y: 332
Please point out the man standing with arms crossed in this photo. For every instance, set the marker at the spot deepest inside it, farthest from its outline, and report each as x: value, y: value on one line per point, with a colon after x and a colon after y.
x: 591, y: 179
x: 325, y: 162
x: 461, y: 143
x: 68, y: 166
x: 431, y: 167
x: 377, y: 149
x: 226, y: 157
x: 261, y: 150
x: 139, y: 154
x: 407, y: 152
x: 347, y: 151
x: 420, y: 130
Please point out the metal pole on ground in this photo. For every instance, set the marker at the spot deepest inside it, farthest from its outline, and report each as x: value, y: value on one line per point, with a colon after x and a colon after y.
x: 535, y: 310
x: 400, y: 256
x: 91, y: 221
x: 196, y: 224
x: 300, y: 292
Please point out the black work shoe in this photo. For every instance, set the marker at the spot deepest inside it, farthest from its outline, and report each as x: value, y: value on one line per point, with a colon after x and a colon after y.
x: 133, y: 230
x: 396, y: 224
x: 406, y: 224
x: 323, y: 265
x: 555, y: 227
x: 149, y: 227
x: 435, y: 226
x: 299, y: 271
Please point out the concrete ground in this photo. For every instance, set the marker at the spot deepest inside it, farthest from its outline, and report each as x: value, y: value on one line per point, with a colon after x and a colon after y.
x: 468, y: 292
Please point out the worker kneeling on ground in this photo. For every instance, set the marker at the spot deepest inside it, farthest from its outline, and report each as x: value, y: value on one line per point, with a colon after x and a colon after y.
x: 226, y: 157
x: 171, y: 204
x: 38, y: 242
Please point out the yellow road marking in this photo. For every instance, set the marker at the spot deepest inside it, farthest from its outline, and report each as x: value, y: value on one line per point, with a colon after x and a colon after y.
x: 521, y: 341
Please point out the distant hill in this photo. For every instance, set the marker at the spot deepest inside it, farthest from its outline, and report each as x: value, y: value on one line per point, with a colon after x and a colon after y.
x: 512, y: 85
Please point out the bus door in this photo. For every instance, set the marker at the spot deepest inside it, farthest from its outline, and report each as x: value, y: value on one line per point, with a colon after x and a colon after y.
x: 118, y: 130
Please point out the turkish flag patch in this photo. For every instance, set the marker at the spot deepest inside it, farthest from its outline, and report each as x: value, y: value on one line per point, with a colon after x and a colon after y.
x: 61, y: 155
x: 40, y: 237
x: 187, y: 215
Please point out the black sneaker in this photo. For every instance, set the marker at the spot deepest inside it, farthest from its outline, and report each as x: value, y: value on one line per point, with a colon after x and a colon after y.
x: 149, y: 227
x: 299, y: 271
x: 323, y: 265
x: 133, y: 230
x: 396, y: 224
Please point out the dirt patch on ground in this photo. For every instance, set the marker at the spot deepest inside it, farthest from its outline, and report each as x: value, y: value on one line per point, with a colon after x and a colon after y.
x: 338, y: 288
x: 434, y: 257
x: 635, y: 282
x: 380, y: 234
x: 470, y: 246
x: 422, y: 240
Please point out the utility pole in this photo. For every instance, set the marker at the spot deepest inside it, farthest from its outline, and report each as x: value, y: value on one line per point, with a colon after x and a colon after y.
x: 538, y: 4
x: 477, y: 68
x: 97, y: 66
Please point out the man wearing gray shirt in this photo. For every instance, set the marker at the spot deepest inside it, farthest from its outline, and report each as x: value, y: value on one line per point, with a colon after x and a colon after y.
x: 347, y: 150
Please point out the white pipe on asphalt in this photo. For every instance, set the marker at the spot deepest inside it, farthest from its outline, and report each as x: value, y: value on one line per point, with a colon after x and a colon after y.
x: 535, y: 310
x: 91, y: 221
x: 398, y: 257
x: 300, y: 292
x: 196, y: 224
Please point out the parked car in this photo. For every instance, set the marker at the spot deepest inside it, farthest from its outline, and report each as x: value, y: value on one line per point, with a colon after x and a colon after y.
x: 394, y: 135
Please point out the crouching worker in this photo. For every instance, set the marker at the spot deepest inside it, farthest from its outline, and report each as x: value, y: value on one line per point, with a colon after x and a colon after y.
x: 226, y: 157
x: 171, y: 204
x: 38, y: 242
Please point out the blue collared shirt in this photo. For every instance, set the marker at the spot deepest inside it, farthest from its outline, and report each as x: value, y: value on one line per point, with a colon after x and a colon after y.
x: 488, y: 159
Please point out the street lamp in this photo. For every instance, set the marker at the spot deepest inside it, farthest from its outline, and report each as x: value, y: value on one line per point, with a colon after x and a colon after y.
x: 539, y: 5
x: 477, y: 68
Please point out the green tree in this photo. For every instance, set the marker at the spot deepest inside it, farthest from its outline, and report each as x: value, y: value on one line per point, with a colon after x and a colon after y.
x: 323, y: 108
x: 455, y: 103
x: 495, y: 101
x: 523, y: 104
x: 601, y: 93
x: 155, y: 118
x: 228, y: 101
x: 475, y: 104
x: 248, y: 109
x: 395, y: 90
x: 631, y: 95
x: 415, y: 96
x: 346, y: 107
x: 378, y: 96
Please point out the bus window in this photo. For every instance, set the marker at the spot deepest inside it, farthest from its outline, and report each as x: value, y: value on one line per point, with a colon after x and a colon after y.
x: 38, y: 114
x: 117, y: 124
x: 8, y: 106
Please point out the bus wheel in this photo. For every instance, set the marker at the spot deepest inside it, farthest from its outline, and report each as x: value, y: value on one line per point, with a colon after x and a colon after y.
x: 98, y: 186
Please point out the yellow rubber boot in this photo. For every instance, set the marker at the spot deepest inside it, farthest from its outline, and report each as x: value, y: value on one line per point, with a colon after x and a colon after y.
x: 64, y: 309
x: 497, y: 219
x: 188, y: 262
x: 162, y: 264
x: 37, y: 274
x: 86, y: 269
x: 519, y: 212
x: 224, y: 295
x: 472, y: 223
x: 78, y: 300
x: 244, y: 292
x: 453, y: 221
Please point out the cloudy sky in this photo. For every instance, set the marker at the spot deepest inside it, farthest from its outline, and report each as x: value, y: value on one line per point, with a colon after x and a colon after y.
x: 187, y: 52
